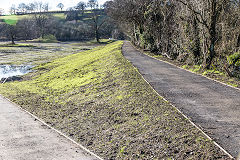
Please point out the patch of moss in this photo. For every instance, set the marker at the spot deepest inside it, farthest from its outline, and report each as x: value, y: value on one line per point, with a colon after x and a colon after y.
x: 232, y: 84
x: 196, y: 68
x: 185, y: 66
x: 234, y: 59
x: 212, y: 72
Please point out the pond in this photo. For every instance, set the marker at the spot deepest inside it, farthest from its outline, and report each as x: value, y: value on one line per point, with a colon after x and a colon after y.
x: 11, y: 70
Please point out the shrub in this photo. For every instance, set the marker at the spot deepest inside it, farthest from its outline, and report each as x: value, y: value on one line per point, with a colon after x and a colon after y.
x: 234, y: 62
x: 47, y: 39
x: 234, y: 59
x: 50, y: 37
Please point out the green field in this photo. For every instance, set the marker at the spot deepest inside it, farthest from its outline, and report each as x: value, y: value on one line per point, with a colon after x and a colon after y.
x: 12, y: 19
x: 59, y: 15
x: 15, y: 18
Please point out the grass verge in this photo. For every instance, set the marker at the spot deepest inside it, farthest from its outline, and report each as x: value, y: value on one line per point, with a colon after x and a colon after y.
x: 100, y: 100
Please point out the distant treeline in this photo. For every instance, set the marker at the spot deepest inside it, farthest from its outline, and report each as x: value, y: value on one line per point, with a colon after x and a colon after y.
x: 47, y: 12
x: 75, y: 24
x: 53, y: 12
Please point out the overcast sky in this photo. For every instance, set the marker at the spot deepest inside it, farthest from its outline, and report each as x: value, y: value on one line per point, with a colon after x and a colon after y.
x: 6, y: 4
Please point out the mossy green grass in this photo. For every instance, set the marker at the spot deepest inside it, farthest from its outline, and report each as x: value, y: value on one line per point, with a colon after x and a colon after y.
x: 65, y: 74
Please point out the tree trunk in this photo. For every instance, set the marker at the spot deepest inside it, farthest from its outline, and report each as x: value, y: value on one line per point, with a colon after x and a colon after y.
x: 12, y: 39
x: 42, y: 32
x: 238, y: 41
x: 196, y: 41
x: 97, y: 34
x: 212, y: 33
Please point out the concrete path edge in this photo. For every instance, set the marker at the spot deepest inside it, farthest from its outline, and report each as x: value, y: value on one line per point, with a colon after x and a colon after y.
x: 48, y: 126
x: 221, y: 148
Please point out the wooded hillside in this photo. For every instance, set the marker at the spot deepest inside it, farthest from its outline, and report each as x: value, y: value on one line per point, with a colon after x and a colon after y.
x: 77, y: 23
x: 198, y: 32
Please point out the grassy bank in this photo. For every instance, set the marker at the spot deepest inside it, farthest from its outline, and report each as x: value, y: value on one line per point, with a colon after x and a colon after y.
x: 100, y: 100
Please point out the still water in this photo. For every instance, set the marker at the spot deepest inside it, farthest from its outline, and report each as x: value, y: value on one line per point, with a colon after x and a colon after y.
x: 11, y: 70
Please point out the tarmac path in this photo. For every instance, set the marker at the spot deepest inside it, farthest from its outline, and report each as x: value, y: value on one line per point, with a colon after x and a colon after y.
x: 22, y: 137
x: 212, y: 106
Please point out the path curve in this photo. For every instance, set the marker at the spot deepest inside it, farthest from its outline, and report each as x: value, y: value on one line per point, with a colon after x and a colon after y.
x: 22, y: 137
x: 213, y: 106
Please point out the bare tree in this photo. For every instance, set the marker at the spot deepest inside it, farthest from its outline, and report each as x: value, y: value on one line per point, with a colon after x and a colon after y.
x: 98, y: 22
x: 41, y: 18
x: 72, y: 14
x: 97, y: 19
x: 11, y: 32
x: 22, y: 7
x: 1, y: 11
x: 46, y: 7
x: 13, y: 9
x: 31, y: 7
x: 81, y: 6
x: 93, y: 4
x: 61, y: 6
x: 26, y: 29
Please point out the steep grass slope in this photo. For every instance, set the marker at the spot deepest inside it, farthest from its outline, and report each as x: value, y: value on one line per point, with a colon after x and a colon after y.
x: 99, y: 99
